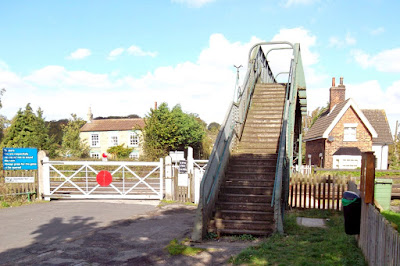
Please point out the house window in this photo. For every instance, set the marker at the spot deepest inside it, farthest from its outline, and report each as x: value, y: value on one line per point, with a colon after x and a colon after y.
x: 134, y: 155
x: 350, y: 132
x: 95, y: 155
x: 133, y: 139
x: 113, y: 139
x: 94, y: 140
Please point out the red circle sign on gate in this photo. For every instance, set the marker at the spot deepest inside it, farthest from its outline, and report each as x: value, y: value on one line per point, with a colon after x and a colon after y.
x: 104, y: 178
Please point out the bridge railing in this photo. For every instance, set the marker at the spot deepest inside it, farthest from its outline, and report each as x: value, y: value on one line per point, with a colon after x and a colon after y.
x: 280, y: 196
x: 231, y: 131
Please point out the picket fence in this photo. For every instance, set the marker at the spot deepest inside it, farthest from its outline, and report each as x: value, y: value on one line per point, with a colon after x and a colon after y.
x: 317, y: 192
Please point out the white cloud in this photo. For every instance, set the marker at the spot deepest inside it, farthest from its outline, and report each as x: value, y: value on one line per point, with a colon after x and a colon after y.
x: 204, y: 86
x: 336, y: 42
x: 59, y: 77
x: 137, y: 51
x: 385, y: 61
x: 79, y: 54
x: 193, y: 3
x: 382, y: 99
x: 290, y: 3
x: 115, y: 53
x: 377, y: 31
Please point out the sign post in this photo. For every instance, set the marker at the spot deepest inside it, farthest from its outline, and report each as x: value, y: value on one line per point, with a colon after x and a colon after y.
x: 183, y: 174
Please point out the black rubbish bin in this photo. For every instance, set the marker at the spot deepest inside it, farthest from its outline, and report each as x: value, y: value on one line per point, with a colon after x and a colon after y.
x: 352, y: 212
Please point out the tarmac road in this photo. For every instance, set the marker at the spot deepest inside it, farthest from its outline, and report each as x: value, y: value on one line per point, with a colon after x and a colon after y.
x: 103, y: 233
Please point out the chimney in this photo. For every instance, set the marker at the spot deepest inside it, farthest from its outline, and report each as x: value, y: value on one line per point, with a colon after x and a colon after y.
x: 336, y: 94
x: 155, y: 105
x: 89, y: 115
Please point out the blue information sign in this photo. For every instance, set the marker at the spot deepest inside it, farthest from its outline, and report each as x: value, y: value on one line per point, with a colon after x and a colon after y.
x: 20, y: 159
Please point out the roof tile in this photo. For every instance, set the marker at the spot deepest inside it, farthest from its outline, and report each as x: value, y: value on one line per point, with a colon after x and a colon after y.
x: 113, y: 124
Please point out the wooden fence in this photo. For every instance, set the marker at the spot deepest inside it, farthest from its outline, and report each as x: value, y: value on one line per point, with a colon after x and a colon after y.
x: 28, y: 190
x: 378, y: 240
x: 317, y: 192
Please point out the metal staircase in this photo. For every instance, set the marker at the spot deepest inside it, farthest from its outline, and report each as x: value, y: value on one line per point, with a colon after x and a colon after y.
x: 244, y: 189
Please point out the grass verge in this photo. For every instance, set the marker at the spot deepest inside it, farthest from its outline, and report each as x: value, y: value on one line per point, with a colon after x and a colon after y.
x: 306, y: 246
x: 181, y: 248
x: 392, y: 217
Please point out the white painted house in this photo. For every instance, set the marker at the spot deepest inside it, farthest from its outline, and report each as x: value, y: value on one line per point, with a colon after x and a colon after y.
x: 101, y: 134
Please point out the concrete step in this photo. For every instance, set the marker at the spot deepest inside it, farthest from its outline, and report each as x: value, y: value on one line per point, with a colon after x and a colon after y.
x: 251, y: 168
x: 263, y: 125
x: 239, y: 206
x: 229, y: 231
x: 245, y: 198
x: 241, y: 225
x: 262, y: 130
x: 243, y: 215
x: 258, y: 145
x: 245, y: 190
x: 253, y: 138
x: 265, y: 120
x: 230, y: 175
x: 249, y: 182
x: 271, y: 115
x: 256, y: 151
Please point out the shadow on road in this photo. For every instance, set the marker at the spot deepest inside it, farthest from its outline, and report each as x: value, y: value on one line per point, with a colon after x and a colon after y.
x: 140, y: 240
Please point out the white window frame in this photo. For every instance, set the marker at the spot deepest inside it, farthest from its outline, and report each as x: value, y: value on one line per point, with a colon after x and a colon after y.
x: 113, y: 139
x: 94, y: 143
x: 95, y: 155
x: 350, y: 132
x: 133, y: 139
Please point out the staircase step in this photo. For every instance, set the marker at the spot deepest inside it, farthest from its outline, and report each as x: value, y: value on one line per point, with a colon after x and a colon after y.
x: 249, y: 182
x: 246, y: 198
x: 251, y: 176
x: 259, y: 145
x: 241, y: 225
x: 246, y: 190
x: 259, y: 169
x: 243, y: 215
x: 261, y: 140
x: 241, y: 232
x: 238, y: 206
x: 250, y: 161
x: 261, y: 151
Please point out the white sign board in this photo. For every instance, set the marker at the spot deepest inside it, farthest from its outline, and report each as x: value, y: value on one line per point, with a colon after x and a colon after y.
x: 20, y: 179
x: 183, y: 180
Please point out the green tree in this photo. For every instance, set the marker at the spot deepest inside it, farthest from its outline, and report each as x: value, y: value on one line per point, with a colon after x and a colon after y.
x: 28, y: 130
x: 167, y: 130
x: 71, y: 144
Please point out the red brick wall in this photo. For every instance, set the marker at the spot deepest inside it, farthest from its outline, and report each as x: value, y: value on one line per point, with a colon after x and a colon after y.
x: 315, y: 147
x: 363, y: 142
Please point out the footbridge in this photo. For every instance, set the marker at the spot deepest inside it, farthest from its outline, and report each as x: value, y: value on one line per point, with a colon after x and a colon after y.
x: 245, y: 187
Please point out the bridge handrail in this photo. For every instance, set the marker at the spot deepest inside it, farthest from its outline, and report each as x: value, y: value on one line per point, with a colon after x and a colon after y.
x: 285, y: 149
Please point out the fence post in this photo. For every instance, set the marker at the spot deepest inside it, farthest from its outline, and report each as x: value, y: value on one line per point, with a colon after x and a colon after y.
x: 190, y: 167
x: 161, y: 179
x: 367, y: 180
x: 46, y: 178
x: 40, y: 181
x: 168, y: 178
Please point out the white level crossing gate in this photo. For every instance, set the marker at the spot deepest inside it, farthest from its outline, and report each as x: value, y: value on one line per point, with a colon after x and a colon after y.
x: 105, y: 180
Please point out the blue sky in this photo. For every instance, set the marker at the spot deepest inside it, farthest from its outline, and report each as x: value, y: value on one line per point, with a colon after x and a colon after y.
x: 119, y: 57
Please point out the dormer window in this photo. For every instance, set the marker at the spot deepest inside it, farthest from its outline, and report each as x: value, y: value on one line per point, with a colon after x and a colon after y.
x: 350, y: 132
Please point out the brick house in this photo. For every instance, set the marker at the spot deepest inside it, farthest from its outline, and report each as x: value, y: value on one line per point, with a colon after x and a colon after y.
x: 101, y: 134
x: 341, y: 133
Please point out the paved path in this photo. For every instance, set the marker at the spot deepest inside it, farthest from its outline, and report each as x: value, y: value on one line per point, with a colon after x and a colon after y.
x: 103, y: 233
